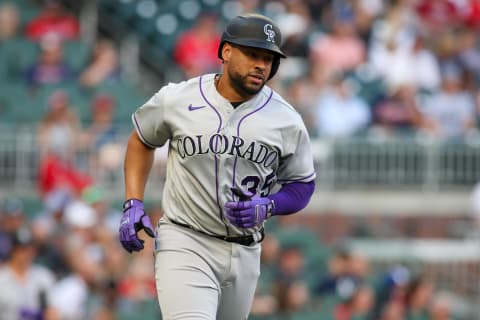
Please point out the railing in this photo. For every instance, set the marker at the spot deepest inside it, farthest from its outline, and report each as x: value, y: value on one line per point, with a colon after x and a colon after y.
x: 395, y: 163
x: 366, y: 163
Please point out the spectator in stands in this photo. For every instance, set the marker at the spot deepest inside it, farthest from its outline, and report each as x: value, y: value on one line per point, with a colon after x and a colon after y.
x: 54, y: 204
x: 291, y: 289
x: 469, y: 52
x: 9, y: 21
x: 437, y: 16
x: 57, y: 137
x: 441, y: 307
x: 366, y: 14
x: 450, y: 113
x: 392, y: 36
x: 56, y: 173
x: 49, y: 232
x: 293, y: 297
x: 447, y: 46
x: 245, y: 6
x: 390, y: 293
x: 398, y: 51
x: 339, y: 50
x: 270, y: 253
x: 103, y: 66
x: 265, y: 301
x: 102, y: 140
x: 53, y: 19
x: 50, y: 67
x: 475, y: 205
x: 295, y: 23
x: 291, y: 265
x: 60, y: 126
x: 303, y: 92
x: 343, y: 267
x: 410, y: 63
x: 107, y: 217
x: 358, y: 303
x: 340, y: 113
x: 101, y: 131
x: 24, y: 286
x: 80, y: 260
x: 398, y: 112
x: 49, y: 239
x: 440, y: 14
x: 87, y: 250
x: 418, y: 295
x: 195, y: 51
x: 12, y: 217
x: 138, y: 287
x: 393, y: 310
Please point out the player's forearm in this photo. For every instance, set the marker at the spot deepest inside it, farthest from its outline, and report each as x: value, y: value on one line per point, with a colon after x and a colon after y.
x: 292, y: 197
x: 138, y: 163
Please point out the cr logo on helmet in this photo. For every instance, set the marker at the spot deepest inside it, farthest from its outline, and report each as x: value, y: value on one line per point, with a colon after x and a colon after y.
x: 268, y: 30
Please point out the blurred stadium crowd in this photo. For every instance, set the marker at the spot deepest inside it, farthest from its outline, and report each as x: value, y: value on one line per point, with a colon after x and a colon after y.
x: 355, y: 67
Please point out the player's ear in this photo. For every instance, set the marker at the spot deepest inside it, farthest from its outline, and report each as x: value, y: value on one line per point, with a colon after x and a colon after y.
x: 226, y: 52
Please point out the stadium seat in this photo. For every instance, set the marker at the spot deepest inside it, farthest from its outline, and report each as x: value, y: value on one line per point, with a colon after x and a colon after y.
x: 76, y: 54
x: 211, y: 5
x: 188, y: 10
x: 19, y: 103
x: 262, y: 317
x: 145, y: 27
x: 28, y: 9
x: 108, y: 4
x: 16, y: 56
x: 142, y: 310
x: 310, y: 315
x: 126, y: 9
x: 146, y: 9
x: 32, y: 206
x: 127, y: 98
x: 78, y: 99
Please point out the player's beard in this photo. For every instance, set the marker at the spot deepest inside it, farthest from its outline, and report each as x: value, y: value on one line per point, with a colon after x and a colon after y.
x: 241, y: 84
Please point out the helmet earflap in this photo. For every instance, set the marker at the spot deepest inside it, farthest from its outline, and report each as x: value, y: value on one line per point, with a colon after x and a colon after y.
x: 275, y: 65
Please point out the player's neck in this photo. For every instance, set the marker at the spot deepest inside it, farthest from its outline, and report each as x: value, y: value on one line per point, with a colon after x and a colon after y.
x: 228, y: 92
x: 19, y: 269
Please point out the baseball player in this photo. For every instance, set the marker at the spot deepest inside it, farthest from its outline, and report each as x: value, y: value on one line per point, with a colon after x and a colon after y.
x: 238, y: 155
x: 25, y: 287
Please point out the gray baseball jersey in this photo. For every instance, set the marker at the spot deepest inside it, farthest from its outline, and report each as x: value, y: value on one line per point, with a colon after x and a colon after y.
x: 213, y: 147
x: 21, y: 299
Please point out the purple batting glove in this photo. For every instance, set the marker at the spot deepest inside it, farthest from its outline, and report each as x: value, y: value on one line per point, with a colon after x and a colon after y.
x: 248, y: 213
x: 133, y: 220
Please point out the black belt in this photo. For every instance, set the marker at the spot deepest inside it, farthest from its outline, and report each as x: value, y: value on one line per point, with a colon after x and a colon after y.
x: 243, y: 240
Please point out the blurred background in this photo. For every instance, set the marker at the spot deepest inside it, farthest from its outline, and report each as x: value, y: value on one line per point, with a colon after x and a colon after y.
x: 389, y: 91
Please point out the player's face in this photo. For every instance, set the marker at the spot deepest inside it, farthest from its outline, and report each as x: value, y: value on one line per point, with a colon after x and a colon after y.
x: 248, y: 69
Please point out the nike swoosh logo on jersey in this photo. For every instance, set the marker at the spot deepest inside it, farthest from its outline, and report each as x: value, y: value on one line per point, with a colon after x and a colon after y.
x: 193, y: 108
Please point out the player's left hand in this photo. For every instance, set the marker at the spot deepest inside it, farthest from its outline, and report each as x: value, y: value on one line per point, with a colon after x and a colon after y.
x: 248, y: 213
x: 133, y: 220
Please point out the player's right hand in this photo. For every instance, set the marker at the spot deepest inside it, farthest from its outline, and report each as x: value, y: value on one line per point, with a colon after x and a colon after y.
x: 133, y: 220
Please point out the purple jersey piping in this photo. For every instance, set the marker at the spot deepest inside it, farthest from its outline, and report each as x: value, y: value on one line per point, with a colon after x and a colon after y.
x: 238, y: 131
x: 216, y: 159
x: 238, y: 135
x: 210, y: 104
x: 141, y: 134
x: 299, y: 179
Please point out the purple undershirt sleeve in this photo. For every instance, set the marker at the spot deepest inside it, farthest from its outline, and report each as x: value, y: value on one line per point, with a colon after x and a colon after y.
x: 292, y: 197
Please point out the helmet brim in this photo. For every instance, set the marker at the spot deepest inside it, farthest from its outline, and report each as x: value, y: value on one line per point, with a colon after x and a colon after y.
x: 253, y: 44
